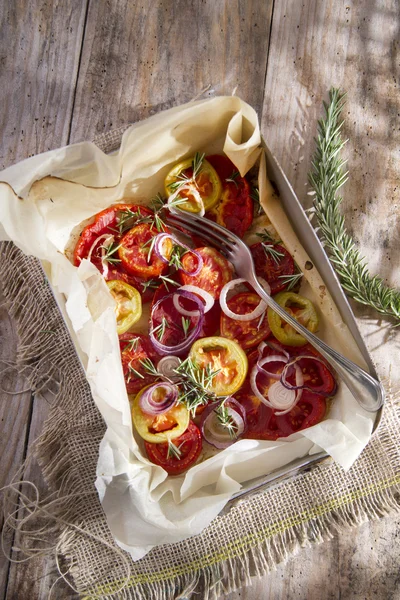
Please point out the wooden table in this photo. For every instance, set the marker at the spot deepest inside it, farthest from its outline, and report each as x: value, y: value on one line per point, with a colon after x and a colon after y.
x: 74, y: 69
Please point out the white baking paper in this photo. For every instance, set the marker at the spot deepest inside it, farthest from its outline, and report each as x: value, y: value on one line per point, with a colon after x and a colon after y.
x: 43, y: 202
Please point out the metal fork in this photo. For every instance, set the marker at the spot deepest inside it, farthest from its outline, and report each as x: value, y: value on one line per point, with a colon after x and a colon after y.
x: 368, y: 392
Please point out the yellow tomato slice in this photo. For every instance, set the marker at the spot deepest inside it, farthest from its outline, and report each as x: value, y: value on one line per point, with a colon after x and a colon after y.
x: 206, y: 183
x: 299, y: 307
x: 225, y: 356
x: 128, y: 307
x: 159, y: 428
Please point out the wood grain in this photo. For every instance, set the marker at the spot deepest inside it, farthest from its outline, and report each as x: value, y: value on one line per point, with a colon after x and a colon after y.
x: 139, y: 58
x: 40, y: 43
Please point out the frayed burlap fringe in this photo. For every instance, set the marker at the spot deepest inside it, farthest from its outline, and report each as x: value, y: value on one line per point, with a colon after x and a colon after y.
x: 256, y: 535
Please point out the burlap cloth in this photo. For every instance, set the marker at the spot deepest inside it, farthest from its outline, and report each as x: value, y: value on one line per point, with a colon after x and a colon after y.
x: 251, y: 539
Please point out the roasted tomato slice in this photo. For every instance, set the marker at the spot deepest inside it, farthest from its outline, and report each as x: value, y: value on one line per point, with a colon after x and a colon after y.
x: 128, y: 307
x: 135, y: 349
x: 188, y: 445
x: 272, y: 267
x: 110, y: 221
x: 169, y: 326
x: 309, y: 411
x: 246, y: 333
x: 224, y: 356
x: 159, y: 428
x: 235, y: 208
x: 216, y: 271
x: 316, y: 375
x: 261, y: 421
x: 194, y: 178
x: 115, y: 273
x: 134, y: 250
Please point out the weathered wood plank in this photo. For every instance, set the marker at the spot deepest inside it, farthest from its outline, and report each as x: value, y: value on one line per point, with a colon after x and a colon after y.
x: 40, y: 45
x: 139, y: 58
x: 15, y: 411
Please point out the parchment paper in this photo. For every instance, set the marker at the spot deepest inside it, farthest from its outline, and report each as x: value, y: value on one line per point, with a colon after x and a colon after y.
x: 43, y: 203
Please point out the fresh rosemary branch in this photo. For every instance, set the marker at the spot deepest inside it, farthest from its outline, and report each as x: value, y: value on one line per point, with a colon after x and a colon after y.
x: 326, y: 178
x: 149, y: 367
x: 183, y: 179
x: 194, y: 384
x: 174, y: 451
x: 233, y: 177
x: 291, y: 280
x: 133, y: 344
x: 226, y: 420
x: 159, y: 331
x: 110, y: 251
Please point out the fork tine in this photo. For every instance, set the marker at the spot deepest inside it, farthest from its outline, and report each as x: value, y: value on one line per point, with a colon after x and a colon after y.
x: 201, y: 228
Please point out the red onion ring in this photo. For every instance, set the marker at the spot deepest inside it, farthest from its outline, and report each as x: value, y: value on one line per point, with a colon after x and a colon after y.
x: 303, y: 386
x: 267, y: 401
x: 158, y: 249
x: 213, y: 437
x: 254, y: 314
x: 194, y: 334
x: 151, y: 406
x: 194, y: 289
x: 268, y: 359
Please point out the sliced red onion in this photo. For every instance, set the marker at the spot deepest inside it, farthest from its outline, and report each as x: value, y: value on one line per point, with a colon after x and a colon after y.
x: 167, y: 366
x: 303, y: 386
x: 254, y: 314
x: 214, y: 433
x: 291, y: 399
x: 187, y: 342
x: 194, y: 289
x: 281, y: 398
x: 151, y: 405
x: 272, y: 358
x: 159, y: 250
x: 273, y: 346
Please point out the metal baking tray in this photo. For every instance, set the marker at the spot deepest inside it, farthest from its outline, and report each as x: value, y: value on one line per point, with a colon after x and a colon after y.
x: 311, y: 243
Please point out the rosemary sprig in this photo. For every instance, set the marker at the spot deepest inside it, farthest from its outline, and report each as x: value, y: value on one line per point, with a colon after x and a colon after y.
x: 149, y: 247
x: 167, y: 280
x: 133, y: 372
x: 149, y: 367
x: 226, y: 420
x: 110, y: 251
x: 194, y: 384
x: 133, y: 344
x: 159, y: 331
x: 151, y: 284
x: 128, y: 218
x: 326, y: 178
x: 233, y: 177
x: 255, y: 195
x: 174, y: 451
x: 185, y: 326
x: 291, y: 280
x: 176, y: 255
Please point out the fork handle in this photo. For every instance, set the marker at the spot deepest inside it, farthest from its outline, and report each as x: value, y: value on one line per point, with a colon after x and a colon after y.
x: 368, y: 392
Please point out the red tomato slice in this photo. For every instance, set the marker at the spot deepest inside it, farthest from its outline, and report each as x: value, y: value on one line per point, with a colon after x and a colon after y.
x: 235, y: 208
x: 270, y: 269
x: 134, y: 349
x: 105, y: 222
x: 216, y: 271
x: 189, y: 444
x: 246, y: 333
x: 261, y: 421
x: 309, y: 411
x: 317, y: 377
x: 134, y: 250
x: 168, y: 323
